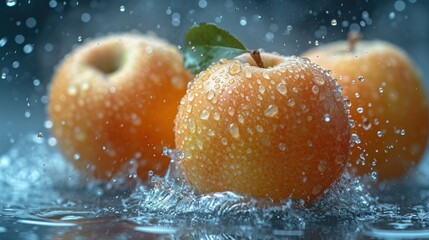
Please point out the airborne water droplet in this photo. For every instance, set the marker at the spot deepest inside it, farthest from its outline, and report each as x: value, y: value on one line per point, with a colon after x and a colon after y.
x: 271, y: 111
x: 334, y: 22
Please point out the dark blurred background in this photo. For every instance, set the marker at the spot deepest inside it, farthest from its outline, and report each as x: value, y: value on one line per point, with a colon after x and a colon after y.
x: 35, y: 36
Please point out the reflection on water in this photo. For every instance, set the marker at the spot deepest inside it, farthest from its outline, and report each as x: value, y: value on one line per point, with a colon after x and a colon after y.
x: 42, y: 196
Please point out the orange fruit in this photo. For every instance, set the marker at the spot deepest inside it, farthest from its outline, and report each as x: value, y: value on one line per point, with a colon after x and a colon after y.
x: 114, y: 99
x: 275, y: 132
x: 388, y: 104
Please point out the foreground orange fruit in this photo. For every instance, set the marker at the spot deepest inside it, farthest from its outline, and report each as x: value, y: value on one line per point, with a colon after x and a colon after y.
x: 276, y: 132
x: 114, y: 99
x: 388, y: 104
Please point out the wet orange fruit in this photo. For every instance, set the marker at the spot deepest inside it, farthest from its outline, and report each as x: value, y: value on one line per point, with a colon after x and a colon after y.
x: 114, y: 99
x: 278, y: 132
x: 387, y: 102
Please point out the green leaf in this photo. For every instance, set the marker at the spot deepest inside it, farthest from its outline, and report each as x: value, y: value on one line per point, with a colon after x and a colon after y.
x: 207, y: 44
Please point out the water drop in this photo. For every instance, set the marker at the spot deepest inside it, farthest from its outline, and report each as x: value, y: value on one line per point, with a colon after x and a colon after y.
x: 248, y: 74
x: 282, y: 147
x: 10, y: 3
x: 210, y: 95
x: 402, y: 132
x: 240, y: 118
x: 334, y: 22
x: 235, y: 68
x: 231, y: 111
x: 315, y: 89
x: 319, y: 80
x: 261, y: 89
x: 234, y: 131
x: 216, y: 116
x: 191, y: 125
x: 323, y: 165
x: 380, y: 90
x: 85, y: 17
x: 265, y: 75
x: 205, y: 114
x: 211, y: 132
x: 281, y: 87
x: 224, y: 141
x: 361, y: 78
x: 40, y: 135
x: 72, y: 90
x: 366, y: 124
x: 327, y: 117
x: 76, y: 156
x: 122, y: 8
x: 359, y: 109
x: 379, y: 133
x: 259, y: 128
x: 291, y: 102
x: 150, y: 173
x: 355, y: 138
x: 271, y: 111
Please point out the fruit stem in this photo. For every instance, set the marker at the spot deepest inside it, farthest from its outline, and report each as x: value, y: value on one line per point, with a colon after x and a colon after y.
x: 353, y: 38
x: 256, y: 55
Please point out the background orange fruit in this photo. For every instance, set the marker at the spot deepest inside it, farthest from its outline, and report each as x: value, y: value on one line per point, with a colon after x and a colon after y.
x: 388, y: 104
x: 114, y: 99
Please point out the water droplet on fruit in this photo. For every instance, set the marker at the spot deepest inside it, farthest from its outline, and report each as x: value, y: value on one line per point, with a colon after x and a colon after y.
x: 355, y: 138
x: 191, y: 125
x: 234, y: 131
x: 323, y: 165
x: 248, y: 74
x: 271, y: 111
x: 216, y: 116
x: 361, y: 78
x: 319, y: 80
x: 402, y: 132
x: 359, y: 110
x: 211, y: 132
x: 224, y: 141
x: 259, y: 128
x: 379, y: 133
x: 327, y: 117
x: 265, y: 75
x: 210, y: 95
x: 205, y: 114
x: 231, y: 111
x: 282, y: 147
x: 76, y: 156
x: 235, y: 68
x: 316, y: 190
x: 380, y: 90
x: 291, y: 102
x: 240, y: 118
x: 281, y: 87
x: 72, y: 90
x: 315, y: 89
x: 366, y: 124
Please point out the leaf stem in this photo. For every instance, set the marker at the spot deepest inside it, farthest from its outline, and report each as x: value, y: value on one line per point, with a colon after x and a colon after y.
x: 256, y: 55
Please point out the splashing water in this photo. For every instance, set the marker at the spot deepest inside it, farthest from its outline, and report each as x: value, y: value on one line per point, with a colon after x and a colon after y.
x: 40, y: 188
